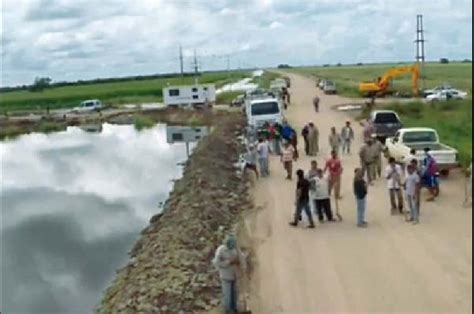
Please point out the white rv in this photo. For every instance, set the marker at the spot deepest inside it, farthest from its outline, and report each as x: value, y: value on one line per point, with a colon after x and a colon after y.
x: 189, y: 95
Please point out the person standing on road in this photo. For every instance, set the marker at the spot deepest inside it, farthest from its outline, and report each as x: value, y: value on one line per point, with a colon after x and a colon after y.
x: 302, y: 200
x: 412, y: 185
x: 287, y: 157
x: 262, y: 150
x: 322, y: 201
x: 360, y: 192
x: 334, y: 140
x: 416, y: 166
x: 227, y: 261
x: 367, y: 161
x: 429, y: 174
x: 294, y: 143
x: 347, y: 136
x: 304, y: 134
x: 312, y: 189
x: 334, y: 166
x: 378, y: 149
x: 313, y: 139
x: 393, y: 174
x: 368, y: 130
x: 251, y: 160
x: 316, y: 103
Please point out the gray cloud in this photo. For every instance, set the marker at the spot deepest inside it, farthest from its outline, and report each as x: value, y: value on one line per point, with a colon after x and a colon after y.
x: 143, y: 36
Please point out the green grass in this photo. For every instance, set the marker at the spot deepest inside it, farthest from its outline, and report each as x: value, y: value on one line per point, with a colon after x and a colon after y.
x: 49, y: 127
x: 347, y: 78
x: 132, y: 91
x: 452, y: 120
x: 227, y: 97
x: 141, y: 122
x: 264, y: 80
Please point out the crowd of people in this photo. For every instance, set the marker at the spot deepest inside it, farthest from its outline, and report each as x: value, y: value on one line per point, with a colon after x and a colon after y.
x: 315, y: 187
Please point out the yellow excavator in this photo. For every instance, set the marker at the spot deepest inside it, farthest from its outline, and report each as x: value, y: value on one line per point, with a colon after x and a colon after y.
x: 380, y: 86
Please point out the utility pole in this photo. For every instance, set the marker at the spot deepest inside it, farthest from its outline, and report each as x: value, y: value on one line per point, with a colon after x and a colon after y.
x: 181, y: 60
x: 420, y: 48
x: 195, y: 63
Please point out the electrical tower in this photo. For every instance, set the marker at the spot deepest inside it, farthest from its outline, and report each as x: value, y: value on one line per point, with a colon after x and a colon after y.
x: 420, y: 47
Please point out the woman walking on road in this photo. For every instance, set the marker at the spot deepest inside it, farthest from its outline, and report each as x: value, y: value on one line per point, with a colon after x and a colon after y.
x: 360, y: 192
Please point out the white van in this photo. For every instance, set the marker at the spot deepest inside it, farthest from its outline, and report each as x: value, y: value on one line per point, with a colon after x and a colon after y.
x: 263, y: 110
x: 88, y: 106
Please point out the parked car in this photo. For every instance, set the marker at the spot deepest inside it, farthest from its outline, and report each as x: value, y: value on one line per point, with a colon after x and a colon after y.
x: 329, y: 87
x: 446, y: 95
x: 385, y: 123
x: 406, y: 139
x: 88, y: 106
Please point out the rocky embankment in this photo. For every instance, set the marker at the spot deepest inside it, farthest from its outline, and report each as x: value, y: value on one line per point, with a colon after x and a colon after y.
x: 170, y: 269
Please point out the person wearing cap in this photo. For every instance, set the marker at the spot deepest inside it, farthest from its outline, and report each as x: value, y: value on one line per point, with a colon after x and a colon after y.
x: 347, y: 136
x: 227, y: 262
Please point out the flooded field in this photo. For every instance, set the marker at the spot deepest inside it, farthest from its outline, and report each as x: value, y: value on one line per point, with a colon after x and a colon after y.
x: 73, y: 204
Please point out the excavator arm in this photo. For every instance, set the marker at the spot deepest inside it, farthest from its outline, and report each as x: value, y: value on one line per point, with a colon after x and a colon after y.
x: 381, y: 85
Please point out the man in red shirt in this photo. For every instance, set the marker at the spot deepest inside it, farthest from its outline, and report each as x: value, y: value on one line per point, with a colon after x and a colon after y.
x: 335, y: 172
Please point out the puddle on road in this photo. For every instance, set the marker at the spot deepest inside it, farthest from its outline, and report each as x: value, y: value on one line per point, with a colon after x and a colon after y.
x: 73, y: 204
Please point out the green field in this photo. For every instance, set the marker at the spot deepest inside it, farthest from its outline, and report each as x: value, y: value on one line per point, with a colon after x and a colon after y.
x: 132, y: 91
x: 347, y: 78
x: 452, y: 120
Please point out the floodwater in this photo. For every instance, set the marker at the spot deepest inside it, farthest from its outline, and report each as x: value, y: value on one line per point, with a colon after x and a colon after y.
x: 73, y: 204
x: 241, y: 85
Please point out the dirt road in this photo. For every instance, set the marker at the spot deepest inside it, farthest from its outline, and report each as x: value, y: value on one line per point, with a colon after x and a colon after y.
x: 390, y: 267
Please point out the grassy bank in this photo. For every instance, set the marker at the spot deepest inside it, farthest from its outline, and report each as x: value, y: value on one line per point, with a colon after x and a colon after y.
x: 264, y: 80
x: 452, y: 120
x: 347, y: 78
x: 109, y: 93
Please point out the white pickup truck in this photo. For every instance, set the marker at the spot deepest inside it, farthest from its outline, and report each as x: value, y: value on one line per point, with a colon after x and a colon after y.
x: 406, y: 139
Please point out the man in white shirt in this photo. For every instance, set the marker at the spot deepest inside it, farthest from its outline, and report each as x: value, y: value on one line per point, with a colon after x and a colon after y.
x: 393, y: 174
x: 412, y: 184
x: 262, y: 150
x: 320, y: 196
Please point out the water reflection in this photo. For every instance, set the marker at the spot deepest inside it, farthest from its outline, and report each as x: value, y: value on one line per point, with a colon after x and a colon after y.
x: 73, y: 203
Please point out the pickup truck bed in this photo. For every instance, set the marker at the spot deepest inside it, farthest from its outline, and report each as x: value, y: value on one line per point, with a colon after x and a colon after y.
x: 433, y: 147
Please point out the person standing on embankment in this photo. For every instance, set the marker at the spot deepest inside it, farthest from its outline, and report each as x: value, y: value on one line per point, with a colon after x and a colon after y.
x: 227, y: 262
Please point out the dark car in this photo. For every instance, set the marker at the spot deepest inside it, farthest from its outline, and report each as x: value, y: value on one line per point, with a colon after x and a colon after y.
x: 385, y: 124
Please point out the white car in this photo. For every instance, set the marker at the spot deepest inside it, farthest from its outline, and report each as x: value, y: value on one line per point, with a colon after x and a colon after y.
x: 436, y: 90
x: 446, y: 95
x: 88, y: 106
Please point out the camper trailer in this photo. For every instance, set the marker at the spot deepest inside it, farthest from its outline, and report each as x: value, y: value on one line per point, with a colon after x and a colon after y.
x: 189, y: 95
x: 182, y: 134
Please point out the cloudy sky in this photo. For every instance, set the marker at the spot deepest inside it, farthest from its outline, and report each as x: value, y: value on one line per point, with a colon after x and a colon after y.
x: 84, y: 39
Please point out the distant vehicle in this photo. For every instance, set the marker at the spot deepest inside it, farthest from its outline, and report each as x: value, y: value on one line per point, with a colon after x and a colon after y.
x: 329, y: 87
x: 238, y: 101
x: 88, y: 106
x: 437, y: 89
x: 406, y: 139
x: 263, y: 110
x: 189, y: 95
x: 380, y: 86
x: 445, y: 95
x: 385, y: 123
